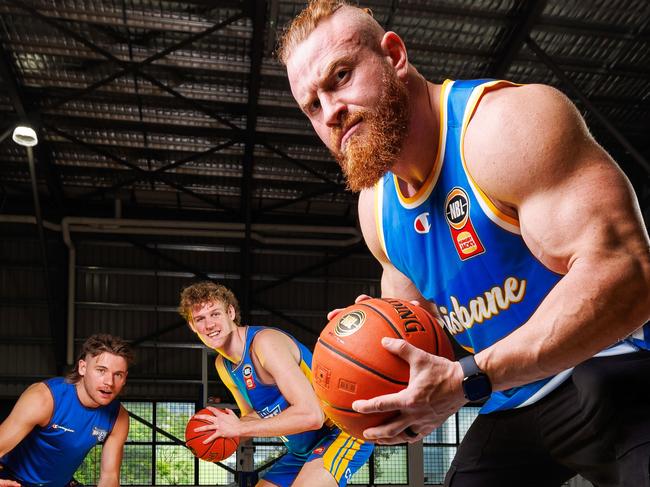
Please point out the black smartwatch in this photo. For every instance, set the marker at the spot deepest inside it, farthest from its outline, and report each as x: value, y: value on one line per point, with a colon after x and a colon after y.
x: 476, y: 384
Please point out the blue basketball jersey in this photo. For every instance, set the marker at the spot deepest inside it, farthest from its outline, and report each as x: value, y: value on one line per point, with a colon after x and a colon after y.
x: 266, y: 399
x: 460, y: 250
x: 50, y: 456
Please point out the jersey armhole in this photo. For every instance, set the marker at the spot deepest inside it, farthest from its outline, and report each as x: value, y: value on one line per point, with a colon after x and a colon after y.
x: 502, y: 219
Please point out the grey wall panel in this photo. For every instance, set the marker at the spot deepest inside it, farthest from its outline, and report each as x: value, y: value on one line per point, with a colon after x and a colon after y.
x: 32, y: 360
x: 118, y: 254
x: 171, y: 363
x: 19, y: 319
x: 22, y: 283
x: 129, y: 324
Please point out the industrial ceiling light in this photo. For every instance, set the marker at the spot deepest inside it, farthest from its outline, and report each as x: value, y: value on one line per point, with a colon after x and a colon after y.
x: 24, y: 135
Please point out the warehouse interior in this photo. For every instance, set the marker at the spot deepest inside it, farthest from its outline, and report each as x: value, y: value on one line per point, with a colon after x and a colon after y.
x: 171, y: 150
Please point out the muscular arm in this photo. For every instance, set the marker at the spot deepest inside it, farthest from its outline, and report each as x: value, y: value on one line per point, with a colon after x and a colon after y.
x: 579, y: 217
x: 278, y: 361
x: 113, y: 450
x: 279, y: 356
x: 34, y: 407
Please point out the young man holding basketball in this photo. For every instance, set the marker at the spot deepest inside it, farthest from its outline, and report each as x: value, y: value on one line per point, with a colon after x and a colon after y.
x: 55, y: 423
x: 268, y: 373
x: 494, y: 202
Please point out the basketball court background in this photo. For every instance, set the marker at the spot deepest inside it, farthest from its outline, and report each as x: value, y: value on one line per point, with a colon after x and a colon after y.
x: 170, y: 149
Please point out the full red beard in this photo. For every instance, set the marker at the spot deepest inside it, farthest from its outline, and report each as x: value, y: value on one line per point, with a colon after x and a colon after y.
x: 368, y: 156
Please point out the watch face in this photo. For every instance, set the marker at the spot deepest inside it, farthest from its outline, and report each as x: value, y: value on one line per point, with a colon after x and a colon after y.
x: 477, y: 387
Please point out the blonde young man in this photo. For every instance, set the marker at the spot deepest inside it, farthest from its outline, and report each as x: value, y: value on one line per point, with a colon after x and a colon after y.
x: 269, y: 373
x: 56, y: 422
x: 492, y: 204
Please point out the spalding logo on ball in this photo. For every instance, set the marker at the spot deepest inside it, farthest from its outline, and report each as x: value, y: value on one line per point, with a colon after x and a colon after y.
x: 349, y: 362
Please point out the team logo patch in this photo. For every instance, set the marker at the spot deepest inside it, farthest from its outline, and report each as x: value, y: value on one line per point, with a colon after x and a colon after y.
x: 100, y: 434
x: 462, y: 231
x: 421, y: 223
x: 350, y: 323
x: 319, y: 450
x: 247, y: 372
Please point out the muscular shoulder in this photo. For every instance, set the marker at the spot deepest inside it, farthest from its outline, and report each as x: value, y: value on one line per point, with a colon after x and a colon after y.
x: 368, y: 223
x: 38, y: 403
x: 519, y: 136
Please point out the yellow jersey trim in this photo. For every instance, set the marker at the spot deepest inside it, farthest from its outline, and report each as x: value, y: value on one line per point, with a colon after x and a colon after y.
x: 500, y: 218
x: 423, y: 193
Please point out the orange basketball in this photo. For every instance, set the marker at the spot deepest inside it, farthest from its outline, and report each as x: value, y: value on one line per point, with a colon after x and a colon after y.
x: 349, y: 362
x: 218, y: 450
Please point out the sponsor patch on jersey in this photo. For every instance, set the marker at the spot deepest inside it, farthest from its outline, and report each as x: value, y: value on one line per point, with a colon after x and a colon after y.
x: 100, y: 434
x: 247, y: 372
x: 463, y: 234
x: 62, y: 428
x: 421, y: 224
x: 350, y: 323
x: 319, y: 450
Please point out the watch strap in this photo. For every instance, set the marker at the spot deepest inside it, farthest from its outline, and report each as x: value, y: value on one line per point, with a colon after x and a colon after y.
x: 469, y: 366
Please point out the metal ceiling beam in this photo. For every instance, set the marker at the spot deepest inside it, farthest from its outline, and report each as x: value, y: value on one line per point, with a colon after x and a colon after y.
x: 512, y: 44
x: 9, y: 77
x: 342, y: 254
x: 546, y: 59
x: 134, y: 176
x: 106, y: 124
x: 56, y: 315
x: 146, y: 174
x: 258, y: 16
x: 285, y: 317
x: 136, y: 69
x: 326, y: 189
x: 127, y: 68
x: 228, y: 107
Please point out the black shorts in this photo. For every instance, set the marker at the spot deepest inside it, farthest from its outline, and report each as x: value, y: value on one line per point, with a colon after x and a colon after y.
x: 5, y: 474
x: 596, y: 424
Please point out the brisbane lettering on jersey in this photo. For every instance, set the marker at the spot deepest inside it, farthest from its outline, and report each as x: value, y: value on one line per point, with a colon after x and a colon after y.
x: 268, y: 412
x: 481, y: 308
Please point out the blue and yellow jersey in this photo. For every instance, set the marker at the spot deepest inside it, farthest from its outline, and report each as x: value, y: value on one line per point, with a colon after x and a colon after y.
x: 50, y: 456
x: 460, y: 250
x: 266, y: 399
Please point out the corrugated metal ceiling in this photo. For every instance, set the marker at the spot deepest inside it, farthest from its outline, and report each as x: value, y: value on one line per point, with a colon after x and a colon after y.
x: 149, y: 101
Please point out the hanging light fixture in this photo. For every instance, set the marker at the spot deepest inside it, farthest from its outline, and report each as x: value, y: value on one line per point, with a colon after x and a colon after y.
x: 25, y: 135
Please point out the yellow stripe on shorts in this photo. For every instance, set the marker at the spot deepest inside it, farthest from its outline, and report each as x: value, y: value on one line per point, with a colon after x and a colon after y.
x: 340, y: 453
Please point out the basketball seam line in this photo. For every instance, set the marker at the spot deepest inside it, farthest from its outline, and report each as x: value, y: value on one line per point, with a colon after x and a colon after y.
x: 363, y: 366
x: 380, y: 313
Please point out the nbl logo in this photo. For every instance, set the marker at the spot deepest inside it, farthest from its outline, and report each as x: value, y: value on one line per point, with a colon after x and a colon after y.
x: 457, y: 208
x: 463, y: 234
x: 350, y: 323
x: 247, y: 372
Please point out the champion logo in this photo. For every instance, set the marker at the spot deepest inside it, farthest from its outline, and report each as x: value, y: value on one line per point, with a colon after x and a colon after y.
x: 421, y: 223
x: 63, y: 428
